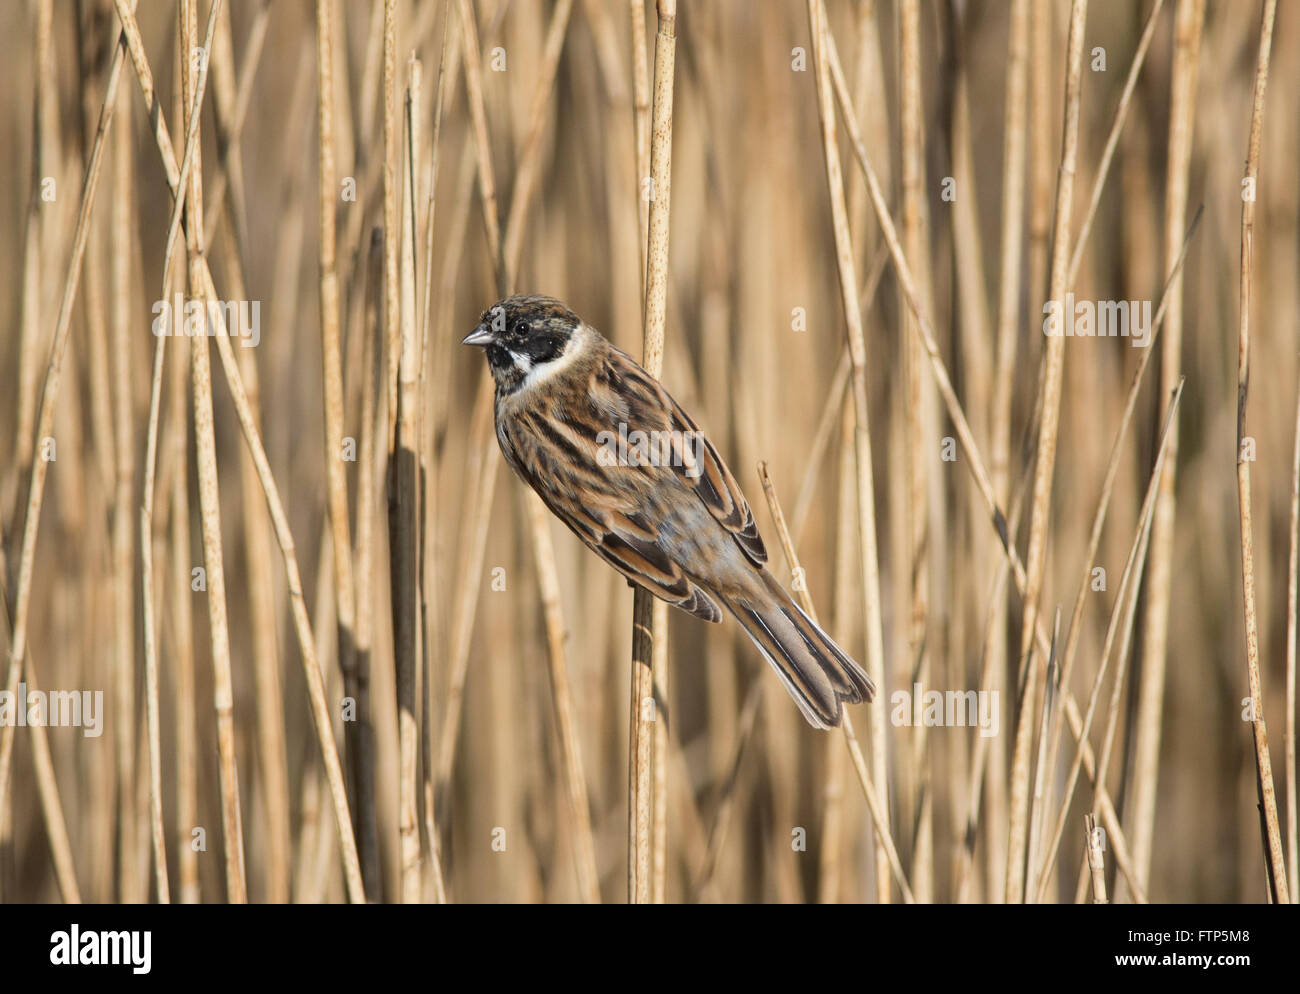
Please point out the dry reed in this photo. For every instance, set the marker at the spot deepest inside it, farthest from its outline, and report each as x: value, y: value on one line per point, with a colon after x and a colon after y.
x: 837, y: 310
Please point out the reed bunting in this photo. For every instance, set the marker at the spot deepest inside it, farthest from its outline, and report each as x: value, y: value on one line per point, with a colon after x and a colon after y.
x: 617, y: 460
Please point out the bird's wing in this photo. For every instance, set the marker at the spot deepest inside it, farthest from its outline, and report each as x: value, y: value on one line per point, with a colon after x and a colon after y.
x: 558, y: 458
x: 696, y: 462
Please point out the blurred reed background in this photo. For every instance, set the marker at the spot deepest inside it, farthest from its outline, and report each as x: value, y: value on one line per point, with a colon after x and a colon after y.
x: 486, y: 758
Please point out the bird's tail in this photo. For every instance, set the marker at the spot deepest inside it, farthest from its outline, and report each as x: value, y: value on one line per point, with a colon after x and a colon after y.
x: 817, y: 672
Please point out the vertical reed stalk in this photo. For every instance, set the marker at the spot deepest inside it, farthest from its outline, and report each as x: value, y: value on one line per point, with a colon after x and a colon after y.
x: 232, y: 832
x: 29, y: 333
x: 641, y: 128
x: 403, y: 524
x: 156, y: 825
x: 646, y: 614
x: 1292, y: 588
x: 916, y: 396
x: 332, y: 374
x: 392, y: 229
x: 361, y: 760
x: 181, y: 611
x: 1009, y: 290
x: 1273, y: 855
x: 134, y: 876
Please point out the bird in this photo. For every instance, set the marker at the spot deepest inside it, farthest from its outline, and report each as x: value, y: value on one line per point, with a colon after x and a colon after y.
x: 615, y: 458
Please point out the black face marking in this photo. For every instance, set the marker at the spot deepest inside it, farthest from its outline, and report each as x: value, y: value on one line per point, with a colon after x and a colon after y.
x: 502, y: 365
x: 529, y: 331
x: 545, y: 345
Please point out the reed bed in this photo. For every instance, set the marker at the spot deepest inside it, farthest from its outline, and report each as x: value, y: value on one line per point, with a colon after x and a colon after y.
x: 332, y: 652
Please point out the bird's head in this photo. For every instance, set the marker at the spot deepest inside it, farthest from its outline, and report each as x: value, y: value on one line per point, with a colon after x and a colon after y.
x: 523, y: 336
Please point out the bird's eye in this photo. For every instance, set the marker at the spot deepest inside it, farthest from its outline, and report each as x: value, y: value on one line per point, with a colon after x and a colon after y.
x: 521, y: 329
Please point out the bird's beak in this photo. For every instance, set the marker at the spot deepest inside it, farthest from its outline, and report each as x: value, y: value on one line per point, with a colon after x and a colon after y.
x: 482, y: 335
